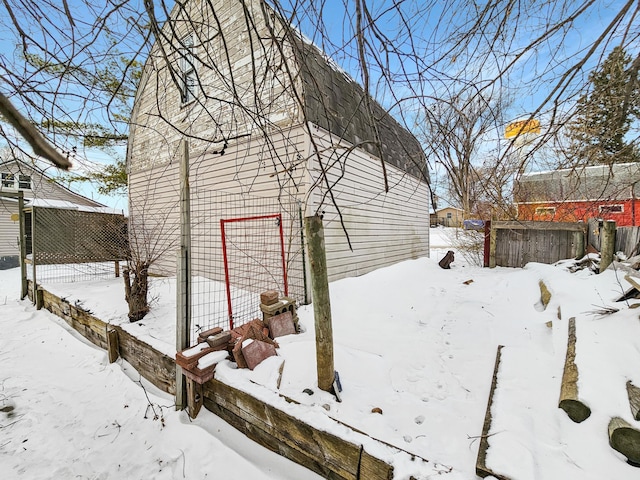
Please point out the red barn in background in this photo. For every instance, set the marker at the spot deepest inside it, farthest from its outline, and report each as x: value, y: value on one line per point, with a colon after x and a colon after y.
x: 573, y: 195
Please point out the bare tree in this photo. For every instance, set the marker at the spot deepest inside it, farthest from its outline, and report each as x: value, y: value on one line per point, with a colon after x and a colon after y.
x: 75, y: 67
x: 458, y: 133
x: 401, y: 52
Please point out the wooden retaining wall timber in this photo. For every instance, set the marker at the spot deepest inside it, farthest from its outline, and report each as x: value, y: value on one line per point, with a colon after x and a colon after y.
x: 324, y: 453
x: 153, y: 365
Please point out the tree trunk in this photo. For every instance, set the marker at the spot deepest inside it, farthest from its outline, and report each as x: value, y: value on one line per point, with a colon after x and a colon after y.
x: 136, y: 286
x: 570, y: 402
x: 625, y: 439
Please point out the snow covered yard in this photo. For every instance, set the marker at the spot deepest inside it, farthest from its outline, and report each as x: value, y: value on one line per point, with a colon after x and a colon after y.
x: 412, y: 341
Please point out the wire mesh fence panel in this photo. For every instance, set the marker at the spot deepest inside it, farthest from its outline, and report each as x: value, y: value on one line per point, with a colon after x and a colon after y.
x: 68, y: 245
x: 253, y: 251
x: 264, y: 253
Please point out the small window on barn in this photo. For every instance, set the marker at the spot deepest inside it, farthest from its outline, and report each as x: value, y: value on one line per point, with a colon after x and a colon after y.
x: 187, y: 70
x: 611, y: 208
x: 24, y: 182
x: 449, y: 215
x: 546, y: 211
x: 8, y: 180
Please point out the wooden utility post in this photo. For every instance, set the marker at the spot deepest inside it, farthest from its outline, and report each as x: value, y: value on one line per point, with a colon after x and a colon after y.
x: 183, y: 275
x: 321, y: 303
x: 33, y: 255
x: 607, y: 244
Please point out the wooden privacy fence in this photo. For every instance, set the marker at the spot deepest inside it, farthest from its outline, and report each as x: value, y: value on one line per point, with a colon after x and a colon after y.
x: 627, y: 238
x: 515, y: 243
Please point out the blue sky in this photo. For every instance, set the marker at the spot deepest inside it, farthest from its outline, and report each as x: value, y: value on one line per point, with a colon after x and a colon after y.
x: 410, y: 25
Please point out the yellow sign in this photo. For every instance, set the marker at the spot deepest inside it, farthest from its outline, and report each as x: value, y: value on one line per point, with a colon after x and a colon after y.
x: 15, y: 217
x: 521, y: 127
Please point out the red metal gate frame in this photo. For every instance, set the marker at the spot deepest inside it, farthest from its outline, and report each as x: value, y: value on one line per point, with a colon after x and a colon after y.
x: 226, y: 261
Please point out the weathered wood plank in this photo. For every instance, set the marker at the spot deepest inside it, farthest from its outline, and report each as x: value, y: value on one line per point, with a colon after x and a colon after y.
x: 335, y: 455
x: 523, y: 242
x: 155, y: 366
x: 267, y: 440
x: 89, y: 326
x: 537, y: 225
x: 481, y: 463
x: 373, y: 468
x: 633, y: 393
x: 113, y: 349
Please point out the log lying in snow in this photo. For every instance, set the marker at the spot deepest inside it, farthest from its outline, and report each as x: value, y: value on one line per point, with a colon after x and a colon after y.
x: 481, y: 468
x: 625, y: 439
x: 633, y: 393
x: 545, y: 294
x: 570, y: 402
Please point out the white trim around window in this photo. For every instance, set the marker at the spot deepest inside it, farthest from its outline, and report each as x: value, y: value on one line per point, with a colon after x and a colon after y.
x: 611, y: 208
x: 187, y: 70
x: 13, y: 181
x: 545, y: 211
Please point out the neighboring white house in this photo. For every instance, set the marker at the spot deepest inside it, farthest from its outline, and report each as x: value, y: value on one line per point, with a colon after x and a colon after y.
x: 265, y: 113
x: 17, y: 175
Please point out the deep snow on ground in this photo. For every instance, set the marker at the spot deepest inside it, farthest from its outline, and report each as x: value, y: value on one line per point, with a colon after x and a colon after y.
x: 413, y: 340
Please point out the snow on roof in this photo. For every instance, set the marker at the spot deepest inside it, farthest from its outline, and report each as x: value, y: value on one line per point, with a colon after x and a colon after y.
x: 617, y: 181
x: 64, y: 204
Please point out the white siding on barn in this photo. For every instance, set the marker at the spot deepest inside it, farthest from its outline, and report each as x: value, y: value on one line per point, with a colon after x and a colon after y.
x: 247, y: 137
x: 255, y: 167
x: 384, y: 228
x: 239, y: 92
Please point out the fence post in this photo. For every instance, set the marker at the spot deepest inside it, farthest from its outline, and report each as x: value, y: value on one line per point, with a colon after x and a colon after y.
x: 183, y: 276
x: 493, y: 242
x: 487, y: 243
x: 321, y: 302
x: 24, y: 285
x: 33, y: 254
x: 304, y: 257
x: 579, y: 241
x: 608, y: 244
